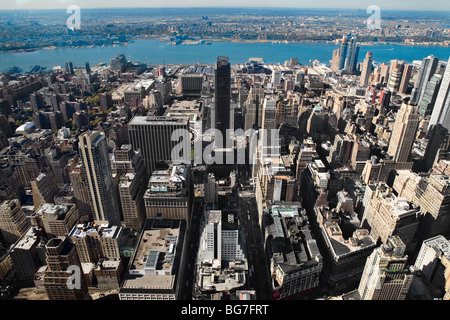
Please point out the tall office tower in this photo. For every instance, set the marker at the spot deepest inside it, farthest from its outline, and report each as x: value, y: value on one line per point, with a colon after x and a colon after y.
x: 69, y: 67
x: 427, y: 70
x: 95, y: 242
x: 211, y: 194
x: 306, y: 155
x: 13, y: 221
x: 386, y: 276
x: 220, y: 237
x: 340, y: 151
x: 335, y: 60
x: 431, y: 193
x: 190, y: 85
x: 438, y: 139
x: 407, y: 71
x: 351, y: 59
x: 253, y: 106
x: 270, y: 145
x: 97, y: 170
x: 61, y: 255
x: 295, y: 260
x: 133, y: 176
x: 441, y: 109
x: 87, y: 66
x: 384, y: 73
x: 44, y: 189
x: 388, y: 215
x: 343, y: 52
x: 300, y: 77
x: 222, y: 95
x: 243, y: 95
x: 433, y: 261
x: 276, y: 78
x: 366, y: 70
x: 25, y: 257
x: 395, y: 75
x: 80, y: 189
x: 360, y: 153
x: 385, y: 98
x: 429, y: 97
x: 404, y: 132
x: 152, y: 137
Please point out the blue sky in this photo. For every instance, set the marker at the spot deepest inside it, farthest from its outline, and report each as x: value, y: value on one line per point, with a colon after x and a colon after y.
x: 429, y: 5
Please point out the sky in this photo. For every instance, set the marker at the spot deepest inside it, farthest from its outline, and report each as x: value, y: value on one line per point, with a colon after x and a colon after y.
x: 429, y: 5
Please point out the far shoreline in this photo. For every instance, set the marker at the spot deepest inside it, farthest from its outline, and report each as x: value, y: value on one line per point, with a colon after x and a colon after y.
x: 241, y: 41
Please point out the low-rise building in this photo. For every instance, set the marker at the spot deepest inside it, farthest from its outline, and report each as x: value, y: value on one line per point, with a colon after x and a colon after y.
x: 154, y: 269
x: 295, y: 260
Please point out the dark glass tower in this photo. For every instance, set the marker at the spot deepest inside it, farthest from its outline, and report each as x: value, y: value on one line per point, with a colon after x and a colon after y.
x: 222, y: 94
x: 343, y: 52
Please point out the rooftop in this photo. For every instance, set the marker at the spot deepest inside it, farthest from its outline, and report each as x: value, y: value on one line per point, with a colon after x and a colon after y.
x: 57, y: 211
x: 155, y: 120
x: 82, y: 230
x: 152, y: 266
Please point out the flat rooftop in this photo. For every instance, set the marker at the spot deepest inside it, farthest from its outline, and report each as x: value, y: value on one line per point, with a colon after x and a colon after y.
x: 82, y: 230
x: 52, y: 209
x: 155, y: 120
x: 152, y: 266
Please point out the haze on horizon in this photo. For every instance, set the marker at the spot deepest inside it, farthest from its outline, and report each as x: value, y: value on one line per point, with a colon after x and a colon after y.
x: 414, y: 5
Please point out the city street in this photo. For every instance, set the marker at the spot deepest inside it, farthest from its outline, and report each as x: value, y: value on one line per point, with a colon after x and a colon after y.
x: 259, y: 278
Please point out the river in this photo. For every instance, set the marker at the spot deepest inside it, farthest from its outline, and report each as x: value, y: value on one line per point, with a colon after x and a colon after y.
x: 155, y: 52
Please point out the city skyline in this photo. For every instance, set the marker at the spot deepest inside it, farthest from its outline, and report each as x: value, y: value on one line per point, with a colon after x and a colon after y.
x: 415, y: 5
x: 333, y: 181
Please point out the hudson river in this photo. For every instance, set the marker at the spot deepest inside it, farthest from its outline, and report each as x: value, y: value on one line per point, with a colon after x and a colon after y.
x: 155, y: 52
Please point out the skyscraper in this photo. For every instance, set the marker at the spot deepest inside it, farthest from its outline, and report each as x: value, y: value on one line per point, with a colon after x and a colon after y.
x: 395, y: 75
x: 276, y: 78
x: 97, y: 170
x: 60, y: 255
x: 152, y: 137
x: 268, y: 125
x: 403, y: 135
x: 222, y: 94
x: 441, y: 109
x: 335, y: 60
x: 438, y: 139
x: 426, y: 105
x: 13, y: 221
x: 433, y: 262
x: 80, y: 189
x: 366, y: 70
x: 407, y: 71
x: 253, y: 114
x: 343, y: 53
x: 427, y: 70
x: 133, y: 175
x: 385, y: 275
x: 352, y: 56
